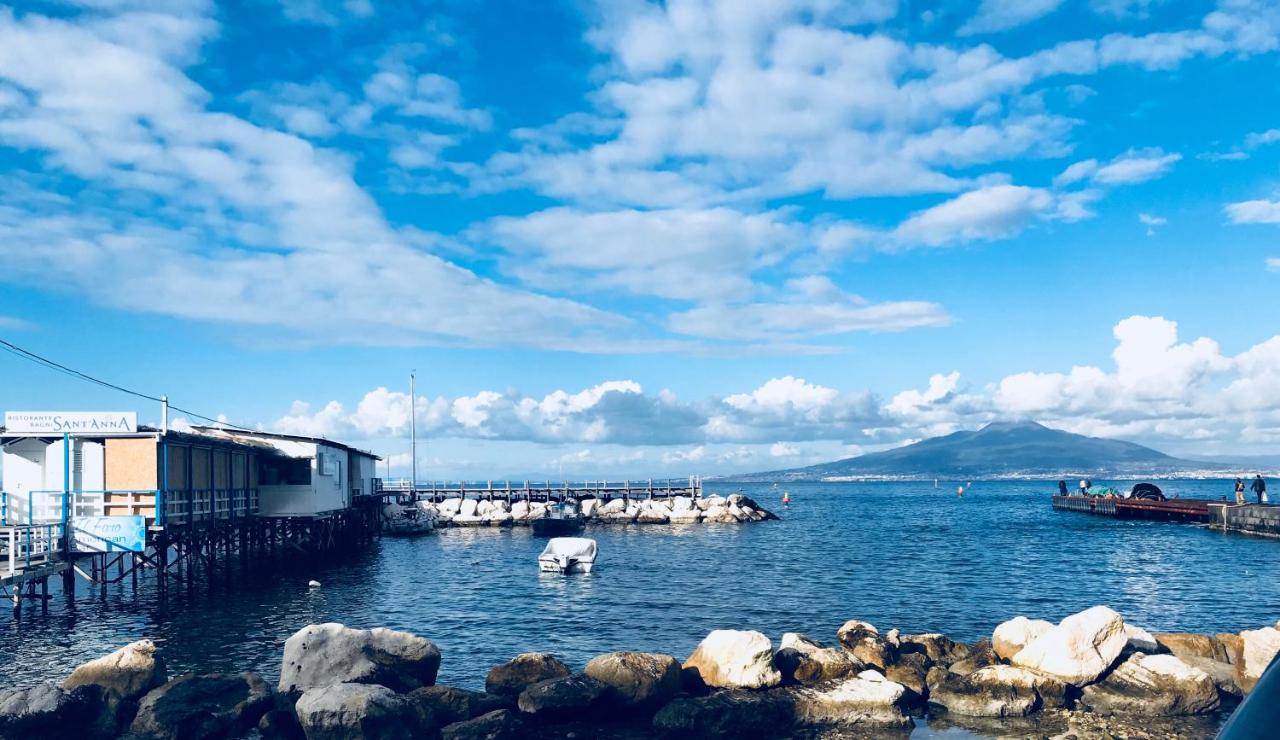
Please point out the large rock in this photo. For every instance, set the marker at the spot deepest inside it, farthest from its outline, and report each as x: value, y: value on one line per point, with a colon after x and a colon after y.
x: 637, y: 680
x: 981, y: 655
x: 735, y: 659
x: 1153, y: 685
x: 1140, y: 640
x: 1189, y: 645
x: 729, y: 715
x: 49, y: 711
x: 444, y: 705
x: 1230, y: 645
x: 327, y: 654
x: 215, y: 705
x: 590, y: 507
x: 523, y: 671
x: 866, y: 643
x: 809, y: 662
x: 1223, y: 675
x: 1257, y: 648
x: 997, y: 691
x: 940, y: 649
x: 500, y: 724
x: 866, y: 700
x: 686, y: 516
x: 353, y: 711
x: 912, y: 672
x: 1017, y: 633
x: 126, y: 674
x: 568, y: 697
x: 1079, y: 649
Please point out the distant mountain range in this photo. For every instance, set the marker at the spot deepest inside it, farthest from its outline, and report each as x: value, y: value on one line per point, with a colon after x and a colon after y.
x: 1003, y: 450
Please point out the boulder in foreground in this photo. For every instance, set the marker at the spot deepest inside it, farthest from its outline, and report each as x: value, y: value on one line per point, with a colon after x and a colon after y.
x: 637, y: 680
x: 523, y: 671
x: 1153, y: 685
x: 126, y: 674
x: 353, y: 711
x: 568, y: 697
x: 997, y: 691
x: 866, y: 700
x: 326, y: 654
x: 735, y: 659
x: 727, y: 714
x: 1015, y: 634
x: 194, y: 707
x: 1079, y: 649
x: 808, y: 662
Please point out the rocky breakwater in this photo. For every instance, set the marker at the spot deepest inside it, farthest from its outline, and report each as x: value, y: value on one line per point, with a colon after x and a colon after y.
x: 1089, y: 675
x: 498, y: 512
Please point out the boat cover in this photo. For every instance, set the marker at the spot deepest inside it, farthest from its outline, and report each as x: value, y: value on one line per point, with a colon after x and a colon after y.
x: 1148, y: 492
x: 578, y: 548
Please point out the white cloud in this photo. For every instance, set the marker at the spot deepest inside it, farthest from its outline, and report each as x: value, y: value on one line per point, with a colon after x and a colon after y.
x: 13, y: 323
x: 1273, y: 264
x: 1254, y: 212
x: 1262, y: 138
x: 1001, y: 15
x: 995, y: 212
x: 1152, y: 220
x: 783, y: 449
x: 1133, y: 167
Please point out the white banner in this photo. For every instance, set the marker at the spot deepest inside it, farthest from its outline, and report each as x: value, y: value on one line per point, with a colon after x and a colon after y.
x: 41, y: 423
x: 110, y: 533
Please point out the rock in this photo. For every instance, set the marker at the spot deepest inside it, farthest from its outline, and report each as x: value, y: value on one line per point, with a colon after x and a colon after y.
x: 997, y: 691
x: 1140, y: 640
x: 652, y: 517
x: 868, y: 699
x: 1079, y: 649
x: 352, y: 711
x: 735, y: 659
x: 520, y: 511
x: 1017, y: 633
x: 1152, y: 685
x: 805, y: 661
x: 450, y: 506
x: 981, y: 655
x: 912, y: 672
x: 715, y: 513
x: 1188, y: 645
x: 865, y: 642
x: 590, y: 507
x: 568, y: 697
x: 327, y: 654
x: 727, y: 714
x: 614, y: 506
x: 523, y: 671
x: 444, y: 705
x: 689, y: 516
x: 500, y: 724
x: 124, y: 675
x: 215, y: 705
x: 469, y: 508
x: 682, y: 503
x: 711, y: 502
x: 637, y: 680
x: 1257, y: 648
x: 1223, y: 675
x: 280, y: 724
x: 939, y: 648
x: 49, y: 711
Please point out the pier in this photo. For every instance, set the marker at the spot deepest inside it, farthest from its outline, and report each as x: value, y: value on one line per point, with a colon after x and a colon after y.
x: 1170, y: 510
x: 545, y: 491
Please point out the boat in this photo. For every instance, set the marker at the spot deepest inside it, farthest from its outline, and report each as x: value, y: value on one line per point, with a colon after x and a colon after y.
x: 561, y: 519
x: 406, y: 521
x: 568, y: 555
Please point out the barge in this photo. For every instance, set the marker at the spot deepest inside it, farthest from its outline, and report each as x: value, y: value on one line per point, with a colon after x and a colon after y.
x: 1169, y: 510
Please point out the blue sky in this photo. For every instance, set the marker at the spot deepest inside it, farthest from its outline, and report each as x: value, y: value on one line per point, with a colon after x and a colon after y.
x: 634, y: 238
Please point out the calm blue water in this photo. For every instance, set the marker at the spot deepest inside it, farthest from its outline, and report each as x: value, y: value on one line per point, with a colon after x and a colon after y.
x: 897, y: 554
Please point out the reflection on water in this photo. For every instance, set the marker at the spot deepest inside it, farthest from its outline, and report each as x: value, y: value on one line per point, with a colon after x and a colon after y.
x: 895, y: 554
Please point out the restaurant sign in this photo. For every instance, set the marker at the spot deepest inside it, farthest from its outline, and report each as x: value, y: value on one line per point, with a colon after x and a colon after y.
x: 109, y: 533
x: 39, y: 423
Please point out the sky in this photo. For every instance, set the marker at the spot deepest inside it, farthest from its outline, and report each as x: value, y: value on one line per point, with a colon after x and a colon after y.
x: 648, y: 239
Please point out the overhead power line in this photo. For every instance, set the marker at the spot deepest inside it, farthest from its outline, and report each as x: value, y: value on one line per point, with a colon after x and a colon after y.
x: 58, y: 367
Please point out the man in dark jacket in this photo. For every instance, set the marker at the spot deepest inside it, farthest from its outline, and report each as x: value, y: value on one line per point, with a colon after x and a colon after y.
x: 1259, y: 487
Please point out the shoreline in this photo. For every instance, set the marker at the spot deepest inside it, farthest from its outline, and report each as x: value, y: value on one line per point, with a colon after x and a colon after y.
x: 496, y: 511
x: 339, y: 682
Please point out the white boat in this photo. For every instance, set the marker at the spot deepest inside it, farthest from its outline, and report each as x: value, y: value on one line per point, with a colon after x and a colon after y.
x: 568, y: 555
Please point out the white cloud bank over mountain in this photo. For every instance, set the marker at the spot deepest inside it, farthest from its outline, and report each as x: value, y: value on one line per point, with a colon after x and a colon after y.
x: 1186, y: 396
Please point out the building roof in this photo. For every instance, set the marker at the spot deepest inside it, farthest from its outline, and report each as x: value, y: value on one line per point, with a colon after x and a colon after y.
x: 250, y: 434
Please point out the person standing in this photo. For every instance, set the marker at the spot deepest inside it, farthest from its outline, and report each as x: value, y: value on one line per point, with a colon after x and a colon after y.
x: 1259, y: 488
x: 1239, y: 492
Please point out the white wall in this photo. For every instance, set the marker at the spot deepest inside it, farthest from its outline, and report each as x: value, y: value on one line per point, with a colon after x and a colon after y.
x: 35, y: 465
x: 326, y: 492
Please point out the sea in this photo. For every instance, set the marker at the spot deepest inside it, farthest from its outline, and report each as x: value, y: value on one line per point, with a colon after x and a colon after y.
x: 897, y: 554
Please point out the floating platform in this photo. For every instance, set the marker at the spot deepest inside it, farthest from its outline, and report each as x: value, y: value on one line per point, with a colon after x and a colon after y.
x: 1170, y: 510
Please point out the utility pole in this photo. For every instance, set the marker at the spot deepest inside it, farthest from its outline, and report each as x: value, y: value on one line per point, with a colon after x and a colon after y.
x: 413, y: 435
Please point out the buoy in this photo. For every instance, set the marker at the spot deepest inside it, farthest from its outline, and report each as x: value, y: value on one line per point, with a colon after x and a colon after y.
x: 786, y: 498
x: 313, y: 584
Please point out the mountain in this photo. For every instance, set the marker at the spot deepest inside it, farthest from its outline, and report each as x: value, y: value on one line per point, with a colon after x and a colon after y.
x: 1001, y: 450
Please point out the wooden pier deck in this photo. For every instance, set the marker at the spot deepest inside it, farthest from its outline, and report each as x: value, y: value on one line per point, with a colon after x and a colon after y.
x: 437, y: 491
x: 1174, y: 510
